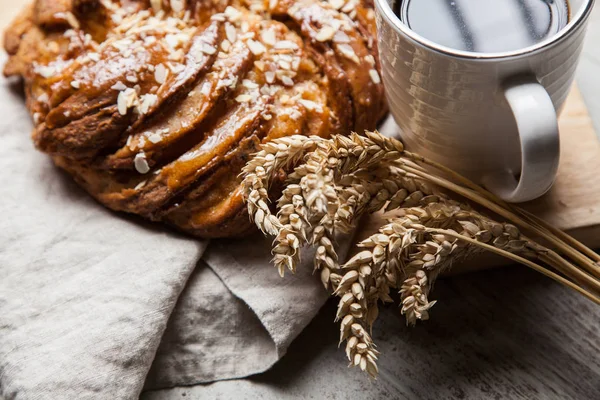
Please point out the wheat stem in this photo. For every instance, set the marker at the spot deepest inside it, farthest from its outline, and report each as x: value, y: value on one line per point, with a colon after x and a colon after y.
x: 567, y: 239
x: 585, y: 262
x: 336, y: 181
x: 520, y: 260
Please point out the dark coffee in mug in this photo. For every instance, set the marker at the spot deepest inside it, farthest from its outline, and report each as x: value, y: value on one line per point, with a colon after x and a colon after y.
x: 484, y: 26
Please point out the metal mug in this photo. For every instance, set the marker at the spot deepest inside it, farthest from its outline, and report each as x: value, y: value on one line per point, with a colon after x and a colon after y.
x: 490, y: 116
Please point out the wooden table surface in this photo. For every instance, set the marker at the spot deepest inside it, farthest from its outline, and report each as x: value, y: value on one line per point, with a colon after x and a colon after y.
x: 507, y: 333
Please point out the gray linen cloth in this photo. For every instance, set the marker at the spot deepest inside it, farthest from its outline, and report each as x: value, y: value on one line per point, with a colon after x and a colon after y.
x: 96, y: 305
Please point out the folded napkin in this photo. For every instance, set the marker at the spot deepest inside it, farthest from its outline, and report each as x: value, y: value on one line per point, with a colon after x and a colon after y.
x: 97, y: 305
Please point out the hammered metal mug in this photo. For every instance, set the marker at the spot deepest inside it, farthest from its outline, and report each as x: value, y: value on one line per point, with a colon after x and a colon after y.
x: 490, y: 116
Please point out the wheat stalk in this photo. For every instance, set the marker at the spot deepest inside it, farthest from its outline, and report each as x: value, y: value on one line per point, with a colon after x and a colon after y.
x: 331, y: 183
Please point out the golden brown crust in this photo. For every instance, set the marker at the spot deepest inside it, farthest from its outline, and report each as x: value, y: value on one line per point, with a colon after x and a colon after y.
x: 154, y: 106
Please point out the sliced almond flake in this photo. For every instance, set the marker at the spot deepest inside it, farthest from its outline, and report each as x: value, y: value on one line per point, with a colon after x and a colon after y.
x: 347, y: 51
x: 122, y: 44
x: 177, y: 5
x: 270, y: 76
x: 147, y: 101
x: 160, y: 74
x: 140, y: 185
x: 268, y: 37
x: 132, y: 97
x: 76, y: 84
x: 149, y: 40
x: 176, y: 56
x: 247, y: 83
x: 325, y: 34
x: 122, y: 103
x: 260, y: 65
x: 348, y: 7
x: 131, y: 78
x: 150, y: 67
x: 257, y: 8
x: 127, y: 99
x: 285, y: 57
x: 46, y: 71
x: 341, y: 37
x: 116, y: 18
x: 230, y: 81
x: 374, y: 76
x: 155, y: 137
x: 205, y: 90
x: 172, y: 40
x: 296, y: 63
x: 129, y: 139
x: 218, y: 17
x: 370, y: 59
x: 337, y: 4
x: 270, y: 90
x: 243, y: 98
x: 226, y: 45
x: 284, y: 65
x: 140, y: 163
x: 176, y: 68
x: 287, y: 81
x: 246, y: 27
x: 257, y: 48
x: 286, y: 45
x: 119, y: 86
x: 208, y: 49
x: 230, y: 33
x: 94, y: 56
x: 336, y: 24
x: 310, y: 105
x: 232, y: 13
x: 295, y: 114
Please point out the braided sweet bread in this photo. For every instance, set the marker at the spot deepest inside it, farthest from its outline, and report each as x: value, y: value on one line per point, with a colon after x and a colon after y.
x: 154, y: 106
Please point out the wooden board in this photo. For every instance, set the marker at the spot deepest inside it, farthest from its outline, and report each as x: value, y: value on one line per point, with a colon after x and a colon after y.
x: 573, y: 202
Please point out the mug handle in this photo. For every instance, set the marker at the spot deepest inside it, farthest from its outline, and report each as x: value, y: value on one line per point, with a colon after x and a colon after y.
x: 537, y: 123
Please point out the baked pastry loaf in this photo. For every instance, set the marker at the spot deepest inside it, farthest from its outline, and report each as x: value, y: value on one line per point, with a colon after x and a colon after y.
x: 154, y: 106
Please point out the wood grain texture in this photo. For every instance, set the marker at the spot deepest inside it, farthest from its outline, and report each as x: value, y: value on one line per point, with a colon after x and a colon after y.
x: 502, y: 334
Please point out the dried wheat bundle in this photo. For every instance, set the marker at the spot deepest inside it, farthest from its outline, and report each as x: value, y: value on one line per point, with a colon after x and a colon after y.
x: 331, y: 183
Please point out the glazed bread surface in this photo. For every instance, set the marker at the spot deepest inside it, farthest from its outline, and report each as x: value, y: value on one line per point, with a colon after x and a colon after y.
x: 155, y: 106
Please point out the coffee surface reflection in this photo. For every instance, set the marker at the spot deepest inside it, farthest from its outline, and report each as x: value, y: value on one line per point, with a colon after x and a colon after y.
x: 484, y: 26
